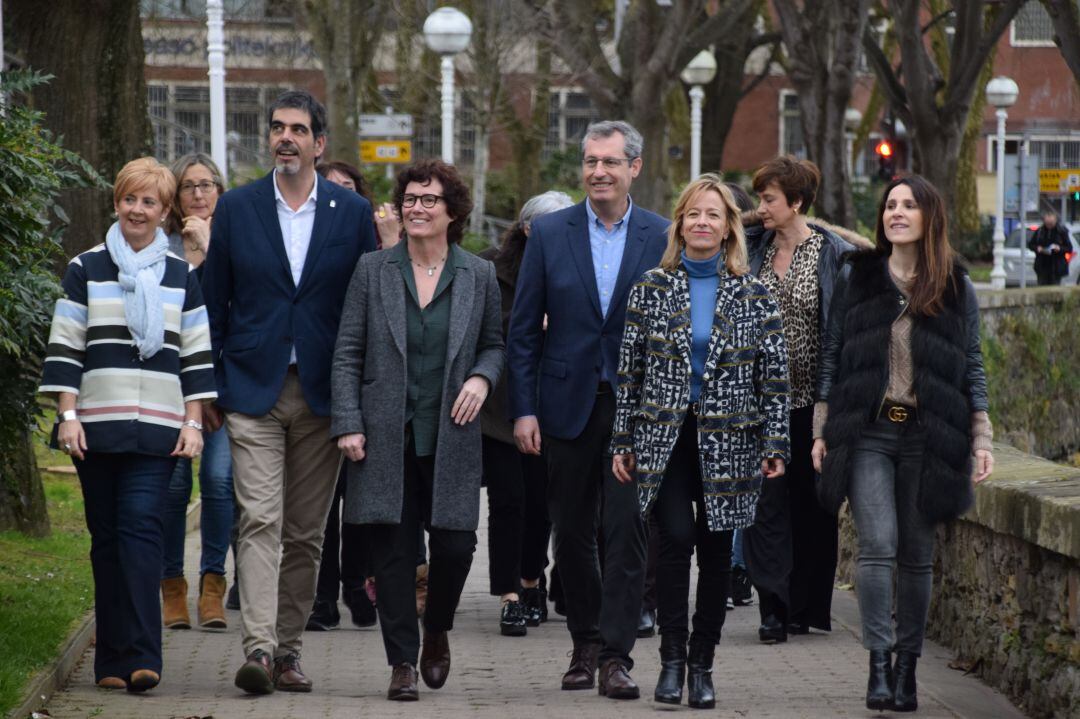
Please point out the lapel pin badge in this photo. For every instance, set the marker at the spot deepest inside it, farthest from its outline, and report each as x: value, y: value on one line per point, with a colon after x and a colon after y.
x: 333, y: 203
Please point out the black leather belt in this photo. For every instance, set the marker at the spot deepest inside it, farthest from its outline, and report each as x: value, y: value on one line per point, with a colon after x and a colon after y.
x: 604, y: 388
x: 898, y: 413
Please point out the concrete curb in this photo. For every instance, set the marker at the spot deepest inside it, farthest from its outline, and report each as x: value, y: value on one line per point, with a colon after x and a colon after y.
x: 52, y: 678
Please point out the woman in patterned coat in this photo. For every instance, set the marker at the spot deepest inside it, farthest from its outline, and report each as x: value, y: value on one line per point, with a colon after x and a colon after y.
x: 701, y: 415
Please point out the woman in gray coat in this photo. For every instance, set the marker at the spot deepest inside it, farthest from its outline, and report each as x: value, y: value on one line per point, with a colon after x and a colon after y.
x: 419, y: 348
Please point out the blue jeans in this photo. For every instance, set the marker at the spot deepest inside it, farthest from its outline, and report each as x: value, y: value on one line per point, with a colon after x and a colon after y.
x: 893, y: 534
x: 736, y: 551
x: 215, y: 486
x: 124, y: 495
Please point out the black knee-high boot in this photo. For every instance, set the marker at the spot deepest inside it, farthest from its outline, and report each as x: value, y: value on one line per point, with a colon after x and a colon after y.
x: 880, y: 686
x: 699, y: 675
x: 672, y: 669
x: 904, y: 699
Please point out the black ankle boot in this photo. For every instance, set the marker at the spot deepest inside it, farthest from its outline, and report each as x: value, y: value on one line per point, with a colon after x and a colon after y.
x: 880, y: 686
x: 904, y: 699
x: 699, y: 676
x: 672, y: 669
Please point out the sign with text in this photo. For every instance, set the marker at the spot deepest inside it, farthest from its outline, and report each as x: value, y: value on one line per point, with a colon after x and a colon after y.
x: 1062, y: 180
x: 387, y: 151
x: 386, y: 126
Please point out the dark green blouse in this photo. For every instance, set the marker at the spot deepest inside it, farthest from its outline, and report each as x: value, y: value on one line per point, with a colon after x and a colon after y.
x: 426, y: 341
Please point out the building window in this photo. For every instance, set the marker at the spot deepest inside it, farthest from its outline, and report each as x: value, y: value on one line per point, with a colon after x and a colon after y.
x: 261, y: 10
x: 569, y: 115
x: 791, y: 136
x: 1032, y: 26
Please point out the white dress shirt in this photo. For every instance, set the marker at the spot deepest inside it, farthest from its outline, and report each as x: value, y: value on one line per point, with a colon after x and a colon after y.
x: 296, y: 230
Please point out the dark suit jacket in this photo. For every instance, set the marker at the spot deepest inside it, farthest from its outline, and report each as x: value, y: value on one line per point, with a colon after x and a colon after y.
x: 554, y: 375
x: 257, y: 314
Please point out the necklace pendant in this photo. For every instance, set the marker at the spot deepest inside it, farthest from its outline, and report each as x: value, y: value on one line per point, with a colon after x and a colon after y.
x: 431, y: 272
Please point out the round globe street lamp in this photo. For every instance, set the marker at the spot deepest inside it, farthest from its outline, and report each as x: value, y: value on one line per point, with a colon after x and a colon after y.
x: 700, y: 71
x: 447, y: 32
x: 1001, y: 92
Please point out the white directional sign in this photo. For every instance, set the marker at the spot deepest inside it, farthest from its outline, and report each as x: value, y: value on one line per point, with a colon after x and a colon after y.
x: 385, y: 125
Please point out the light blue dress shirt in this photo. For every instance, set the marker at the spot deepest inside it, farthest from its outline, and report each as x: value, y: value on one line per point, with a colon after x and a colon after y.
x: 607, y: 251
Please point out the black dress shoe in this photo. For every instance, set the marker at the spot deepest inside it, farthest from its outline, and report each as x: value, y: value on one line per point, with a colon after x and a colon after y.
x: 741, y: 593
x: 534, y: 602
x: 435, y: 659
x: 324, y: 616
x: 361, y: 608
x: 797, y: 628
x: 771, y: 631
x: 232, y: 601
x: 904, y: 698
x: 880, y: 686
x: 512, y: 620
x: 647, y: 623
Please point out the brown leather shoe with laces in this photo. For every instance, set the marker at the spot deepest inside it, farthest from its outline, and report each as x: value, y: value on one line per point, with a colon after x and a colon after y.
x: 403, y: 684
x: 254, y: 677
x: 615, y: 681
x: 582, y: 671
x: 288, y: 677
x: 435, y: 659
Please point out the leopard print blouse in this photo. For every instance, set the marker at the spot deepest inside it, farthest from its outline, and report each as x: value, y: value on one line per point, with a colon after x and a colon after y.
x: 797, y: 294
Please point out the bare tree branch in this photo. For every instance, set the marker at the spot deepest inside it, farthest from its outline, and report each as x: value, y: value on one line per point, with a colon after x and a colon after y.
x: 1066, y: 17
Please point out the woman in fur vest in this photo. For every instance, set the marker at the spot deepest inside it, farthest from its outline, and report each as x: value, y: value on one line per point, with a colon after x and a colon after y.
x: 901, y: 427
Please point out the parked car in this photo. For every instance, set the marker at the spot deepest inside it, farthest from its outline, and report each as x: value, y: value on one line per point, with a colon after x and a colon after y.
x: 1012, y: 259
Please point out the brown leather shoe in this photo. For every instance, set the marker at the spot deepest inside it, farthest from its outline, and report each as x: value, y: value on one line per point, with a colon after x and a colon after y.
x: 615, y: 681
x: 288, y: 677
x: 112, y: 683
x: 421, y: 589
x: 435, y: 659
x: 403, y: 684
x: 582, y: 671
x: 255, y: 677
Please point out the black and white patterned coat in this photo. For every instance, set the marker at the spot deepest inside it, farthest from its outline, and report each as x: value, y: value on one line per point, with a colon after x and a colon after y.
x: 743, y: 407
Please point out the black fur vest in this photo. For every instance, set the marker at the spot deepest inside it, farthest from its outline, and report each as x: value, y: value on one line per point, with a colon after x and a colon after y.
x: 938, y: 344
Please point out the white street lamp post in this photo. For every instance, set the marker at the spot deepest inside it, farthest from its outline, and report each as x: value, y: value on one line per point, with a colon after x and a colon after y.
x: 1001, y: 92
x: 852, y: 120
x: 700, y: 71
x: 447, y: 32
x: 215, y: 52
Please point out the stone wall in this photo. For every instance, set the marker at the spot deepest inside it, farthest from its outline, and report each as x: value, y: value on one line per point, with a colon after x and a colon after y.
x: 1007, y: 574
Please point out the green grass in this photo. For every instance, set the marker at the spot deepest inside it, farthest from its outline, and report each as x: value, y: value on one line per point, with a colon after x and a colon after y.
x: 980, y: 272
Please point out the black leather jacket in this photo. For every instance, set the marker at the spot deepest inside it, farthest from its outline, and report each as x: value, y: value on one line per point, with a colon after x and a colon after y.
x: 830, y: 261
x: 833, y: 342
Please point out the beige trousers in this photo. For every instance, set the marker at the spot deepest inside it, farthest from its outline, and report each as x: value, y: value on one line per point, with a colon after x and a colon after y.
x: 285, y: 469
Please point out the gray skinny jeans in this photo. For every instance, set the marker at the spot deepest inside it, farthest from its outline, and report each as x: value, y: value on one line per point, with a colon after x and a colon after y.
x: 885, y: 466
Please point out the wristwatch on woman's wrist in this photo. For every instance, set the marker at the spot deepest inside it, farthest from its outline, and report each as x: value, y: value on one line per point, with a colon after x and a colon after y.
x: 68, y: 415
x: 193, y: 424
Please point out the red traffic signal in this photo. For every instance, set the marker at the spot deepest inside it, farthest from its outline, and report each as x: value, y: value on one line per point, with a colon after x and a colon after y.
x: 884, y: 148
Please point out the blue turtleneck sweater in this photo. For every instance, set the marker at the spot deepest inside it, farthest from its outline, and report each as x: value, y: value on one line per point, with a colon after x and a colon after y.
x: 704, y: 281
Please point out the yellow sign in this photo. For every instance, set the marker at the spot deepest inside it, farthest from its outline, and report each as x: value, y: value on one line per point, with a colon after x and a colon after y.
x: 1065, y: 180
x: 385, y: 151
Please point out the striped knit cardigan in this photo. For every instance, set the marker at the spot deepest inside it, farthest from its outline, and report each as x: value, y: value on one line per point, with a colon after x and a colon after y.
x: 124, y: 403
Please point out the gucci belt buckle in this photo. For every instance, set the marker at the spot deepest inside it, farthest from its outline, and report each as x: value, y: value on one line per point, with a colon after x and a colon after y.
x: 897, y: 413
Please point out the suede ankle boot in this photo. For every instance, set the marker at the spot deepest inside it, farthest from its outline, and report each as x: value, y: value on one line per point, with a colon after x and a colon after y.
x: 669, y: 685
x: 174, y: 611
x: 211, y: 601
x: 904, y: 699
x: 699, y: 686
x: 880, y: 686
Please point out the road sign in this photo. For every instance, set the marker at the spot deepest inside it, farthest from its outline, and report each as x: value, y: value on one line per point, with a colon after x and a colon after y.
x: 386, y: 126
x: 383, y: 151
x: 1063, y: 180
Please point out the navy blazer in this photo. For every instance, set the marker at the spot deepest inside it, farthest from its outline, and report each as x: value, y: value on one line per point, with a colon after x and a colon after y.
x: 257, y: 314
x: 554, y: 374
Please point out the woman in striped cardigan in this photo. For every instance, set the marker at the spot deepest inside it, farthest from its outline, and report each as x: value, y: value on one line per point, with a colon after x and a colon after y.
x: 129, y: 361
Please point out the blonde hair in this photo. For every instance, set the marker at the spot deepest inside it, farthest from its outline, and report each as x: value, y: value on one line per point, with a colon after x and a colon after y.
x: 145, y: 172
x: 734, y: 245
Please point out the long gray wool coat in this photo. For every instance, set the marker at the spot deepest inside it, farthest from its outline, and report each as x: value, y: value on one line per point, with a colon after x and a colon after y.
x: 368, y: 387
x: 742, y: 411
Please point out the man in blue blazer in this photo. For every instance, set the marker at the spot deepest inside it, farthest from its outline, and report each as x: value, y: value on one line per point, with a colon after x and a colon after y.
x: 579, y: 266
x: 282, y: 252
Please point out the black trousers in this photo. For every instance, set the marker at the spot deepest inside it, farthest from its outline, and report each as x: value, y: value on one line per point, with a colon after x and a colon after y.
x: 344, y: 556
x: 518, y: 527
x: 394, y: 560
x: 678, y: 533
x: 791, y: 549
x: 583, y: 492
x: 648, y: 599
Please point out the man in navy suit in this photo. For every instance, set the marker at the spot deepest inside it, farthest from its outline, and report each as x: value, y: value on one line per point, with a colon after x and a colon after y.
x: 281, y: 255
x: 579, y: 266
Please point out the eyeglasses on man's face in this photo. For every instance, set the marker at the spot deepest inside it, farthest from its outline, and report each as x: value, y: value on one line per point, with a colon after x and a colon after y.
x: 205, y: 187
x: 609, y: 163
x: 427, y: 201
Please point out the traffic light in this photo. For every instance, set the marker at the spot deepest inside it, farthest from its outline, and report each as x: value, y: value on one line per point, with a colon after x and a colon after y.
x: 886, y: 159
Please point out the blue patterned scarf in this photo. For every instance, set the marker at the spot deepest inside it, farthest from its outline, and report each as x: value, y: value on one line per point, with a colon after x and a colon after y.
x: 140, y: 279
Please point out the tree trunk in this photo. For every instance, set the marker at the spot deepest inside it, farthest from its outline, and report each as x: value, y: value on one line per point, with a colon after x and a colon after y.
x: 97, y: 100
x: 480, y: 171
x: 1066, y: 17
x: 22, y: 498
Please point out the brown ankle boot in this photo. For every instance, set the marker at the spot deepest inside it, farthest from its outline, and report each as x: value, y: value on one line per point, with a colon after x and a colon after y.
x: 211, y: 602
x: 174, y: 611
x: 421, y: 589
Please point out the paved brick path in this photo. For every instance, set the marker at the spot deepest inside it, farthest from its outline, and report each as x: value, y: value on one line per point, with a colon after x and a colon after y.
x: 821, y: 675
